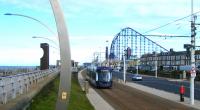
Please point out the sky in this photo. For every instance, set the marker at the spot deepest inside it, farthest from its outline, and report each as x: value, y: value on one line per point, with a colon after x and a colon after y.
x: 90, y: 24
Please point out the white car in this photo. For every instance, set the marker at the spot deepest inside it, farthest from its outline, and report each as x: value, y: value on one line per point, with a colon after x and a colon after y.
x: 117, y: 69
x: 136, y: 77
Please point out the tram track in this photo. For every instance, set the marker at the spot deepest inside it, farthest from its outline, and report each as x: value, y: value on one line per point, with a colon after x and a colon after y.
x: 122, y: 97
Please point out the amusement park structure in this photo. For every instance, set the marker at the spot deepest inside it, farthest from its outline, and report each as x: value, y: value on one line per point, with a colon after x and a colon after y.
x: 133, y: 45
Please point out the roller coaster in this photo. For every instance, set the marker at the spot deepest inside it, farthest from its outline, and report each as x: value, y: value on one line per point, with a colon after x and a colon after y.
x: 133, y: 44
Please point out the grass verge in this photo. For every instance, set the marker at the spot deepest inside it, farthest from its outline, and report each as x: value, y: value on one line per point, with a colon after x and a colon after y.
x: 78, y: 99
x: 46, y: 99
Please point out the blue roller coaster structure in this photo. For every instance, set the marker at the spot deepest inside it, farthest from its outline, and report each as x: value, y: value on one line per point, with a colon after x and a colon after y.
x: 134, y: 44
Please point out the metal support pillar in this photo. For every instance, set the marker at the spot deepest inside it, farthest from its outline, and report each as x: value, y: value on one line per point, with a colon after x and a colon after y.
x: 124, y: 68
x: 65, y: 56
x: 137, y: 65
x: 156, y: 64
x: 193, y: 34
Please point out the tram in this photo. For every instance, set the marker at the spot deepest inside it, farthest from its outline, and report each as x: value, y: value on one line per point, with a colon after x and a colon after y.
x: 100, y: 77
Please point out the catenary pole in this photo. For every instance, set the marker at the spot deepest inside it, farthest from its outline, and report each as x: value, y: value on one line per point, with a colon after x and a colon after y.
x: 192, y: 50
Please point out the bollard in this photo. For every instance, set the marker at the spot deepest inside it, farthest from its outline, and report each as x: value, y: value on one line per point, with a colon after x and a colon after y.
x: 180, y: 76
x: 182, y: 92
x: 4, y: 95
x: 184, y: 75
x: 4, y: 98
x: 86, y: 87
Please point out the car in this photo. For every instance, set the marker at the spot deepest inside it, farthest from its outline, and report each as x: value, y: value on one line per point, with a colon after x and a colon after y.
x: 152, y: 70
x: 116, y: 69
x: 136, y: 77
x: 131, y: 69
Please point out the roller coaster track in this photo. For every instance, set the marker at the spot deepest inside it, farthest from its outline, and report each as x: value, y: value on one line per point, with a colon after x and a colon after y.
x: 136, y: 42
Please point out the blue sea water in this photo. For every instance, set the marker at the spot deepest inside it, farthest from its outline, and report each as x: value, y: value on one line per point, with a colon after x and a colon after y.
x: 17, y: 67
x: 11, y: 70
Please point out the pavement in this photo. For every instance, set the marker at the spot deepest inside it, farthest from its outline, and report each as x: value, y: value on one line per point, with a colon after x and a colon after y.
x: 100, y: 104
x: 164, y: 94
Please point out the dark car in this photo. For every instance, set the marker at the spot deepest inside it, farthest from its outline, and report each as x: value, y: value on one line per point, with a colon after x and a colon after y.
x: 131, y: 69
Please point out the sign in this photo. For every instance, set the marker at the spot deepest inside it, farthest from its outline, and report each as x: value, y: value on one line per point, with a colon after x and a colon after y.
x: 64, y: 95
x: 193, y: 72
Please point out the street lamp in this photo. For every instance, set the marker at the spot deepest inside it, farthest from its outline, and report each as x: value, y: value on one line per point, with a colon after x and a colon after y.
x: 124, y: 66
x: 46, y: 39
x: 107, y: 53
x: 137, y: 65
x: 13, y: 14
x: 156, y: 64
x: 192, y: 56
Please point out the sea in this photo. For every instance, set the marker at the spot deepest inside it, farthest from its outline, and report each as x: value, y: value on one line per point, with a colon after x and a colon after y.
x: 17, y: 67
x: 11, y: 70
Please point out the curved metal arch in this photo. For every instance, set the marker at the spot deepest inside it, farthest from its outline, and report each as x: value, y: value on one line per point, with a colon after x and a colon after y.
x: 138, y: 43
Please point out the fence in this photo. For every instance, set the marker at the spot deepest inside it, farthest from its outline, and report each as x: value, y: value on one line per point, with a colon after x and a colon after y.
x: 15, y: 85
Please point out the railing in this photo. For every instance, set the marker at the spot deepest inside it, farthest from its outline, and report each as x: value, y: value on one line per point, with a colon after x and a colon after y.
x: 15, y: 85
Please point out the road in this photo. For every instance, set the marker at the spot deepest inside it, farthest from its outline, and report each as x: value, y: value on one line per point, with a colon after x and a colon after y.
x: 163, y: 84
x: 122, y: 97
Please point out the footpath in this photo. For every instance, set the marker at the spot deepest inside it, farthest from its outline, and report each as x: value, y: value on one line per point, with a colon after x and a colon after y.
x: 164, y: 94
x: 100, y: 104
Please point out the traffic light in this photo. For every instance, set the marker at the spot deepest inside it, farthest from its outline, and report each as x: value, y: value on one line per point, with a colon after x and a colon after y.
x: 193, y: 29
x: 128, y: 53
x: 106, y: 53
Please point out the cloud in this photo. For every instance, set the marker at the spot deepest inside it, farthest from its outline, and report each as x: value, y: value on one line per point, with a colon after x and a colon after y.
x: 120, y: 8
x: 112, y: 8
x: 25, y: 56
x: 36, y: 5
x: 89, y: 45
x: 27, y: 3
x: 20, y: 56
x: 82, y: 54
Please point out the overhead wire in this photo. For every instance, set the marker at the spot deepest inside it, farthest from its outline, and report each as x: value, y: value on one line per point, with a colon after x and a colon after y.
x: 170, y: 23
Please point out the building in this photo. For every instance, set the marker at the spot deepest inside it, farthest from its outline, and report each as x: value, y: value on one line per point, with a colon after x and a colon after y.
x: 170, y: 60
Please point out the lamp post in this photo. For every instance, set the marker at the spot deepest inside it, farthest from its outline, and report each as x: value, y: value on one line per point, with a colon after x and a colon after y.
x: 192, y: 56
x: 46, y: 39
x: 107, y: 54
x: 137, y: 65
x: 14, y: 14
x: 100, y: 56
x: 156, y: 65
x: 124, y: 66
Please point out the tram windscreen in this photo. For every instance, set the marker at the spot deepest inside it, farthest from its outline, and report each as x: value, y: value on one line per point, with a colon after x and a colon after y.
x: 104, y: 75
